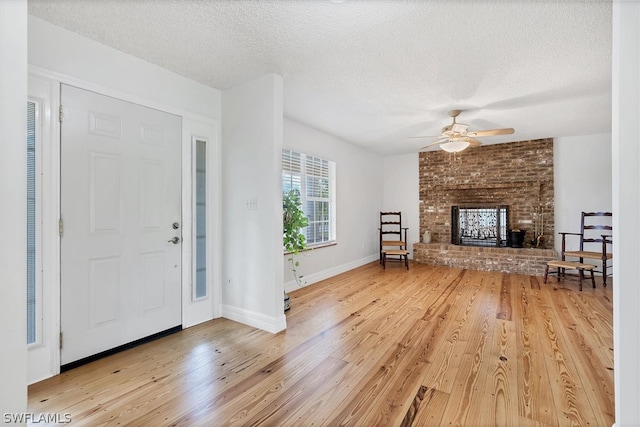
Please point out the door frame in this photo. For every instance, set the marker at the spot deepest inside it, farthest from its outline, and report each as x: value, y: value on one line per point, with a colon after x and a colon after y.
x: 193, y: 125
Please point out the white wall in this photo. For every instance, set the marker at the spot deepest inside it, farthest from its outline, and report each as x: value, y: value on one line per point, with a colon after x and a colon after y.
x: 253, y: 290
x: 13, y: 247
x: 72, y: 55
x: 582, y: 180
x: 401, y: 193
x: 626, y: 205
x: 359, y: 195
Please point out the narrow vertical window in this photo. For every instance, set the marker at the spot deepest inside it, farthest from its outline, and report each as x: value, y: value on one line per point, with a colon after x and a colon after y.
x: 32, y: 225
x: 200, y: 229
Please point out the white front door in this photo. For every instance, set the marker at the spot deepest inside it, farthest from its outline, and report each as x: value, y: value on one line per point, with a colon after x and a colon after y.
x: 120, y: 206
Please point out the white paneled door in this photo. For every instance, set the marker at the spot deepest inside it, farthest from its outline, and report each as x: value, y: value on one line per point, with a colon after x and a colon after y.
x: 121, y: 213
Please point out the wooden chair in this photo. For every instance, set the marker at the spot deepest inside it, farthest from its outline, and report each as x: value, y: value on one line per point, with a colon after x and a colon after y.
x: 393, y: 239
x: 595, y: 241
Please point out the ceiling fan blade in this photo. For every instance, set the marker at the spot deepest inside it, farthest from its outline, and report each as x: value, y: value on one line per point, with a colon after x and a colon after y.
x: 473, y: 142
x: 432, y: 136
x: 435, y: 143
x: 491, y: 132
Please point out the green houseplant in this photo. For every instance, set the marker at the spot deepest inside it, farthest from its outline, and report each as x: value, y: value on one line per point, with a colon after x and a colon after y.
x: 293, y: 239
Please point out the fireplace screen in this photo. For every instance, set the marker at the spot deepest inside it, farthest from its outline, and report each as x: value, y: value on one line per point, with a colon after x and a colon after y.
x: 479, y: 226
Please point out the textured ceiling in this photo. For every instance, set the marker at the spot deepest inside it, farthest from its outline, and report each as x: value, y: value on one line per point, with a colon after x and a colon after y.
x: 375, y: 72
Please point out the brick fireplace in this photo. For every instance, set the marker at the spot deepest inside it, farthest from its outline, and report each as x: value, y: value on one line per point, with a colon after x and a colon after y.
x: 518, y: 175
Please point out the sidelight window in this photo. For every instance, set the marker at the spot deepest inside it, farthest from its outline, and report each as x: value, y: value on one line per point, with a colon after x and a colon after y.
x: 34, y: 277
x: 200, y: 220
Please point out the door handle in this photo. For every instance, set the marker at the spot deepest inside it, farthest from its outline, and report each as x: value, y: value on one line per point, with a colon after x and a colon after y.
x: 175, y: 240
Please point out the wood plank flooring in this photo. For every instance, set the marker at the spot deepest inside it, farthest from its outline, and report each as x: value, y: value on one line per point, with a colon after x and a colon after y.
x: 429, y: 346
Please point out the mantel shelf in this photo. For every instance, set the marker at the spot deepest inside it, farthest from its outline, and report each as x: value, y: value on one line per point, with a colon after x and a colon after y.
x: 484, y: 186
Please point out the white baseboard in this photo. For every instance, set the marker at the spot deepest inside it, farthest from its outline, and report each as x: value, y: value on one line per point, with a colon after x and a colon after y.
x: 257, y: 320
x: 330, y: 272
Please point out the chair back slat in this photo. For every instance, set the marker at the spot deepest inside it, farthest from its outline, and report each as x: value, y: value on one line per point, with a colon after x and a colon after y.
x: 598, y: 227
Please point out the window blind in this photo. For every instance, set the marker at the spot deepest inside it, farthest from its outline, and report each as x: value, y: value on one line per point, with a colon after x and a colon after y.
x: 32, y: 219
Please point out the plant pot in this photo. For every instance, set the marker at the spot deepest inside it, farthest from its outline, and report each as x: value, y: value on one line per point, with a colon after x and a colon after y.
x: 287, y: 302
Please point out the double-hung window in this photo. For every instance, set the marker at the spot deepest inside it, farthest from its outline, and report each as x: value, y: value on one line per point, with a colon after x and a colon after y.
x: 314, y: 178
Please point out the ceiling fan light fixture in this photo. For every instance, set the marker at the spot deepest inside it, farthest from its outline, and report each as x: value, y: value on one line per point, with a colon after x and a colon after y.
x: 454, y: 145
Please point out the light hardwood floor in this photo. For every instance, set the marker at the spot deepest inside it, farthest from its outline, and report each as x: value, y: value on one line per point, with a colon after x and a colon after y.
x: 429, y: 346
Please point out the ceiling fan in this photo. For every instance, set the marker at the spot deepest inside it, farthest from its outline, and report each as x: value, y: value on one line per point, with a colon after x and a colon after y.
x: 456, y: 138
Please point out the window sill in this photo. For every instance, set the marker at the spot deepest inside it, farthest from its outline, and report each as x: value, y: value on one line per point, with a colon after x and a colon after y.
x: 314, y: 247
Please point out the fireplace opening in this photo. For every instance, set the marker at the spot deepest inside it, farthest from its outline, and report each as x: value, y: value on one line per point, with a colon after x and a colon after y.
x: 479, y: 226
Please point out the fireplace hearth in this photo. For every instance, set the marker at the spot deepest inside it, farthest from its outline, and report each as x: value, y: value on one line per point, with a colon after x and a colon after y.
x: 480, y: 225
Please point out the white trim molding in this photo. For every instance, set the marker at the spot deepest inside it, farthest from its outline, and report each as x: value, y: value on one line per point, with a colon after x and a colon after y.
x: 257, y: 320
x: 329, y: 272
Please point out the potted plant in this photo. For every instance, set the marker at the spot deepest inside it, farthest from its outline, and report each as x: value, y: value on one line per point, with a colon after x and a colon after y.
x: 293, y: 239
